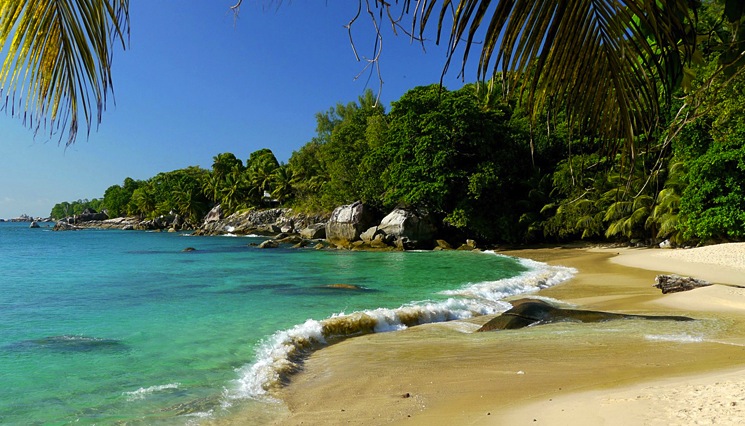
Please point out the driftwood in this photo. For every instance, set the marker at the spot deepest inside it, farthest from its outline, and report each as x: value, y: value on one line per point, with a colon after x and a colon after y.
x: 676, y: 283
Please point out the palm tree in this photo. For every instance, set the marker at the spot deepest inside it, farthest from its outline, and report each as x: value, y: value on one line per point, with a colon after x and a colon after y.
x: 58, y: 60
x: 212, y: 186
x: 234, y: 191
x: 611, y: 65
x: 143, y: 200
x: 189, y: 201
x: 628, y: 216
x: 664, y: 215
x: 282, y: 187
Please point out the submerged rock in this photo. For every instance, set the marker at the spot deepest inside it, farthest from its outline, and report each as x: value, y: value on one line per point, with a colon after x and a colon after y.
x: 268, y: 244
x: 340, y: 286
x: 70, y: 343
x: 530, y: 312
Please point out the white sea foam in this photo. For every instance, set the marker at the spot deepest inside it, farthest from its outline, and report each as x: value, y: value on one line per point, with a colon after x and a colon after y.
x: 141, y: 393
x: 680, y: 338
x: 538, y: 276
x: 281, y: 355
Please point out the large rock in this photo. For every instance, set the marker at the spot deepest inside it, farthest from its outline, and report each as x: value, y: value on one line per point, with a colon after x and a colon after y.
x: 159, y: 223
x: 368, y: 235
x: 676, y: 283
x: 409, y: 228
x: 374, y: 238
x: 531, y: 312
x: 214, y: 215
x: 347, y: 223
x: 89, y: 215
x: 314, y: 232
x: 64, y: 225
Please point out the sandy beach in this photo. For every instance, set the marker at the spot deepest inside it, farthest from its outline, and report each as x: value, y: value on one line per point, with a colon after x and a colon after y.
x: 618, y: 372
x: 714, y: 397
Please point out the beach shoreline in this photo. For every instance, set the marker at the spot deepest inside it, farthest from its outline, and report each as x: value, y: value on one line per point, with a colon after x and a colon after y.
x: 445, y: 374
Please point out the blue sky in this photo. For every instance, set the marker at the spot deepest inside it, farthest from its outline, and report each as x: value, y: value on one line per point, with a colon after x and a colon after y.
x: 193, y: 83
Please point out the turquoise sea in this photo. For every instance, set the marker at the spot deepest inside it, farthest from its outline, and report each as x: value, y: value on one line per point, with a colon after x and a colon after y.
x: 125, y: 327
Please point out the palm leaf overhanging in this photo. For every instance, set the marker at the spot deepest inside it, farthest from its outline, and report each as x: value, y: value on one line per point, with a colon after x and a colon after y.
x: 610, y: 64
x: 57, y: 63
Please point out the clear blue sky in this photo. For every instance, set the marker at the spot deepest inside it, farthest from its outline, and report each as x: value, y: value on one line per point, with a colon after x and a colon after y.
x: 193, y: 84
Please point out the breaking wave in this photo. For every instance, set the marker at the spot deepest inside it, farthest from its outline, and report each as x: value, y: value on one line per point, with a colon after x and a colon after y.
x: 281, y: 355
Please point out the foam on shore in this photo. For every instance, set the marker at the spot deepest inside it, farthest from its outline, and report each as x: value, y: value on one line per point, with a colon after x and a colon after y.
x: 282, y: 354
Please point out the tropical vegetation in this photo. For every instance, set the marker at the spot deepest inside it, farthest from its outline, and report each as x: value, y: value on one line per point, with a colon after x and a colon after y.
x: 604, y: 119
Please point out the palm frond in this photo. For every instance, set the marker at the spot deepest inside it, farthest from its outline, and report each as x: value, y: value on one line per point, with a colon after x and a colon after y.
x: 619, y: 209
x: 607, y: 62
x: 615, y: 228
x: 668, y: 225
x: 57, y: 66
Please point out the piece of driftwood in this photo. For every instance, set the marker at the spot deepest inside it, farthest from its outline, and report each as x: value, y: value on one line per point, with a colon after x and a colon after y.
x: 676, y: 283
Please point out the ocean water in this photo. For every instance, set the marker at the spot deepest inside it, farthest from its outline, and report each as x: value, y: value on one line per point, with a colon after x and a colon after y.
x: 125, y: 327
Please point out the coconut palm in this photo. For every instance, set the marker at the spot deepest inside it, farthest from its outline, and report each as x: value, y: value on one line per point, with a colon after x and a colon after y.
x: 628, y: 216
x: 664, y: 217
x: 58, y: 59
x: 282, y: 187
x: 609, y: 64
x: 143, y: 200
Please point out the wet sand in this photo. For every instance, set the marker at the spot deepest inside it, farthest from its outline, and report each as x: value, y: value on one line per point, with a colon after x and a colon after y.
x: 630, y: 372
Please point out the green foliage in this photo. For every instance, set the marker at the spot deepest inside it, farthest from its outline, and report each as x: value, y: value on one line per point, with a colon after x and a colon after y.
x: 491, y: 167
x: 450, y: 154
x: 309, y: 174
x: 67, y: 209
x: 338, y: 166
x: 712, y: 205
x: 116, y: 199
x: 178, y: 192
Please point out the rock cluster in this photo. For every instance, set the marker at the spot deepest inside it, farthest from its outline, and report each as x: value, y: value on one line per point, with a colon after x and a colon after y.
x: 100, y: 220
x: 260, y: 222
x: 354, y: 226
x: 26, y: 218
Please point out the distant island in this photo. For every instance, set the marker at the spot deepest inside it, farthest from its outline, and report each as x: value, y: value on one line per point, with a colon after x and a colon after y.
x: 26, y: 218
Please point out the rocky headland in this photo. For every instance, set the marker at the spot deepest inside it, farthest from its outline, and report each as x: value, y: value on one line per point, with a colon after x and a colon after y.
x: 353, y: 226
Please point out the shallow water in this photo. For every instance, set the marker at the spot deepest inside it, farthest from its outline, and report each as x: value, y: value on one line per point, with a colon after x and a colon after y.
x: 106, y: 326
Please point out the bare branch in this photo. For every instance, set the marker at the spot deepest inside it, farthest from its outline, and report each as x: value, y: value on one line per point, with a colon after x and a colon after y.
x: 349, y: 30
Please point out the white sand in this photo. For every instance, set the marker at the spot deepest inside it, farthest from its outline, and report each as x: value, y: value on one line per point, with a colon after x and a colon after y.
x: 721, y: 263
x: 709, y: 399
x: 713, y: 398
